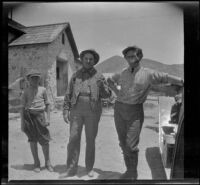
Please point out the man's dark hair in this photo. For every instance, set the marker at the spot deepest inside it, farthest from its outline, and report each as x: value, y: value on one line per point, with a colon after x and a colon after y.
x: 134, y: 48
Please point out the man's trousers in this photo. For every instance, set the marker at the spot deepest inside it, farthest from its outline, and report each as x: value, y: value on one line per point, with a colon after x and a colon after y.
x: 80, y: 115
x: 128, y: 122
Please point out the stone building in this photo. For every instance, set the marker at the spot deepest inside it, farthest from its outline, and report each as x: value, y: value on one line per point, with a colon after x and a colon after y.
x: 49, y: 48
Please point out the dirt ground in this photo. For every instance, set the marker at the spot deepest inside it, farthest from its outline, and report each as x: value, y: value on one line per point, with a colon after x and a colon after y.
x: 108, y: 163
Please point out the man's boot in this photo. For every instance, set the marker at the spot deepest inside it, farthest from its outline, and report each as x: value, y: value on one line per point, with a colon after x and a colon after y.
x: 126, y: 175
x: 48, y: 165
x: 72, y: 162
x: 133, y: 165
x: 71, y: 171
x: 34, y: 151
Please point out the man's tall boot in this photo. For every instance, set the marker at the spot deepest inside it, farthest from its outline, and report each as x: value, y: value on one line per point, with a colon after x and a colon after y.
x: 34, y: 151
x: 71, y: 171
x: 133, y: 165
x: 126, y: 175
x: 45, y: 149
x: 72, y: 168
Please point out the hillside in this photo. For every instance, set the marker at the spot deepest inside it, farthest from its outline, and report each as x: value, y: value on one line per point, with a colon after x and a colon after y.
x: 117, y: 63
x: 112, y: 65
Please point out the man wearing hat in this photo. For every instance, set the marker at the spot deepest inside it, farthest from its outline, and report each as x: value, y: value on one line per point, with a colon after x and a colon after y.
x: 35, y: 117
x: 82, y: 106
x: 135, y: 82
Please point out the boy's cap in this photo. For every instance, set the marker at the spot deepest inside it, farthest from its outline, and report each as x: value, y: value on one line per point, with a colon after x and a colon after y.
x: 33, y: 72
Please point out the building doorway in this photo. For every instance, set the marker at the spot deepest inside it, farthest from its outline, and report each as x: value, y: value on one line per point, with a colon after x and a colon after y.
x: 61, y: 76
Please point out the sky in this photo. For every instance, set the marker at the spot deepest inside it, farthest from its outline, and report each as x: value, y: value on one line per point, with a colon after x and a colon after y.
x: 109, y: 27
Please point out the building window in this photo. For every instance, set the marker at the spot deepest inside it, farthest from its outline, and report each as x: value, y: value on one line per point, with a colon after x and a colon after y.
x: 63, y: 38
x: 57, y: 73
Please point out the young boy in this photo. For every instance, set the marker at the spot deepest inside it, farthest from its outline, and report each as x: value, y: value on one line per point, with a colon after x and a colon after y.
x: 35, y: 117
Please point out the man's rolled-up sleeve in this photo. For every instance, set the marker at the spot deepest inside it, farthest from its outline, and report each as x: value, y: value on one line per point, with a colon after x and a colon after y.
x: 175, y: 80
x: 164, y: 78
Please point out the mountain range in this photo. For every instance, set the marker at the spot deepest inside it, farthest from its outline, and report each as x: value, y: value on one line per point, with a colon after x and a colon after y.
x: 117, y: 63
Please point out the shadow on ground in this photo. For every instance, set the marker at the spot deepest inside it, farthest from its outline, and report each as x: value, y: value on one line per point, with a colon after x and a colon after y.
x: 100, y: 174
x: 107, y: 174
x: 154, y: 161
x: 82, y: 172
x: 27, y: 167
x: 152, y: 128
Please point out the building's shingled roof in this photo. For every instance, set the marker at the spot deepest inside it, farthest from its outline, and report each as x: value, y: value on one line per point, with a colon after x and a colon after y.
x: 39, y: 34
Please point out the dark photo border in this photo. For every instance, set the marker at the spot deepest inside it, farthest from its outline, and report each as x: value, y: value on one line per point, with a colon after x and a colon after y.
x: 192, y: 103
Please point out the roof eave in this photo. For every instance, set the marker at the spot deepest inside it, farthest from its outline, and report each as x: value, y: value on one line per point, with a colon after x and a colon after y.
x: 29, y: 44
x: 72, y: 41
x: 64, y: 28
x: 16, y: 29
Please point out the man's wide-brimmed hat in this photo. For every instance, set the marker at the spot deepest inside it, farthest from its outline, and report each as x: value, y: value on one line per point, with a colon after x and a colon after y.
x: 93, y: 52
x: 33, y: 72
x: 131, y: 48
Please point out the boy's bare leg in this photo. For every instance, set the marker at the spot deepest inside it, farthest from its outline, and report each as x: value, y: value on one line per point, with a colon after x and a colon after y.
x: 45, y: 149
x: 34, y: 151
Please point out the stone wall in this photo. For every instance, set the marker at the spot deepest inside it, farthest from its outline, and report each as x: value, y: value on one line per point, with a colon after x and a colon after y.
x: 42, y: 57
x: 26, y: 57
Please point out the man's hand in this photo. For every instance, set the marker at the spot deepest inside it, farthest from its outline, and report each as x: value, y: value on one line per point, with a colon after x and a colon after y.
x: 182, y: 82
x: 100, y: 83
x: 47, y: 119
x: 47, y: 123
x: 110, y: 82
x: 112, y: 86
x: 66, y: 116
